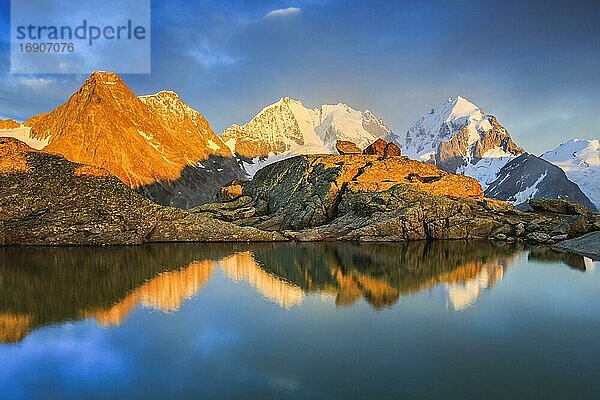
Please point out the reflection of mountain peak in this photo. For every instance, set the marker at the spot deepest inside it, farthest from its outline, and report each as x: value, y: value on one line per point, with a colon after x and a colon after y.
x: 463, y: 294
x: 52, y: 285
x: 166, y: 292
x: 243, y: 267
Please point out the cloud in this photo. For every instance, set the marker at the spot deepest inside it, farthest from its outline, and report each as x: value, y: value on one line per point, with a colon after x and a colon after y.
x: 35, y: 83
x: 283, y: 12
x: 208, y: 57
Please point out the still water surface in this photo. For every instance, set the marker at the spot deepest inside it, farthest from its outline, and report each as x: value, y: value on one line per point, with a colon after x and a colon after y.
x: 301, y: 321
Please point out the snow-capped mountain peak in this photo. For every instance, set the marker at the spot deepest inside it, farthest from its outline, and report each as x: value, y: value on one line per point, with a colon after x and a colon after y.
x: 442, y: 124
x: 580, y: 159
x: 460, y: 137
x: 577, y: 152
x: 287, y: 128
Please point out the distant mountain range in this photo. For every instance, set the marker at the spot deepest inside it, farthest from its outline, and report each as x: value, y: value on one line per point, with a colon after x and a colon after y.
x: 459, y: 137
x: 287, y: 128
x: 167, y: 151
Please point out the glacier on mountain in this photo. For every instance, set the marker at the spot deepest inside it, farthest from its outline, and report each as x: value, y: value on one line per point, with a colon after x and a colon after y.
x: 288, y: 128
x: 460, y: 137
x: 580, y: 159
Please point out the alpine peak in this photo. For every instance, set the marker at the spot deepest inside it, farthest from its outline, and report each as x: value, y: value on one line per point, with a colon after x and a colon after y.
x: 142, y: 141
x: 287, y: 128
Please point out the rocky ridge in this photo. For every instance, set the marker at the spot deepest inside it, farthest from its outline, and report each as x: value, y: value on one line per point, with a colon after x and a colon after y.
x: 372, y: 198
x: 47, y: 200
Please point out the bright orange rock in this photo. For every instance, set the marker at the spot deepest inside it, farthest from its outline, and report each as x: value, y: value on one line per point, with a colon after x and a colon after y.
x: 139, y: 140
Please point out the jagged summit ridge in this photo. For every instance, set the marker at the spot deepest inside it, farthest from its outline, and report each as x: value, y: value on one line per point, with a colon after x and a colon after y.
x: 287, y: 128
x: 456, y: 134
x: 140, y: 140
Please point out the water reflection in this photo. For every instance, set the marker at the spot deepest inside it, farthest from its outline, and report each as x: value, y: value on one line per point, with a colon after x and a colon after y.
x: 41, y: 286
x: 464, y: 292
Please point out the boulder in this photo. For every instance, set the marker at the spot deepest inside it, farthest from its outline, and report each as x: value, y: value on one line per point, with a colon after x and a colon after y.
x: 392, y: 150
x: 558, y: 206
x: 231, y: 191
x: 539, y: 237
x: 376, y: 148
x: 587, y: 245
x: 383, y: 149
x: 345, y: 147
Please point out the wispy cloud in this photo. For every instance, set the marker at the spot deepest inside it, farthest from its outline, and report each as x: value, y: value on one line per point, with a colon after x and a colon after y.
x: 283, y: 12
x: 209, y: 57
x: 35, y: 83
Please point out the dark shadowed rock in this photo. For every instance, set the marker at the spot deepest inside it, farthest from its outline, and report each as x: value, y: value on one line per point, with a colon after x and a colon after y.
x: 528, y: 176
x: 47, y: 200
x: 197, y: 185
x: 588, y: 245
x: 559, y: 206
x: 346, y: 147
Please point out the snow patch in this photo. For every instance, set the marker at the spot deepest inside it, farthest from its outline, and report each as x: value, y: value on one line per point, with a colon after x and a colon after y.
x: 213, y: 146
x: 485, y: 170
x: 528, y: 193
x: 580, y: 160
x: 23, y: 133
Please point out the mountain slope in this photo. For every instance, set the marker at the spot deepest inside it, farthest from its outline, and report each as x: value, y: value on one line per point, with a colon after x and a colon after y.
x: 288, y: 128
x: 528, y: 176
x: 580, y: 159
x: 143, y: 141
x: 459, y: 134
x: 47, y: 200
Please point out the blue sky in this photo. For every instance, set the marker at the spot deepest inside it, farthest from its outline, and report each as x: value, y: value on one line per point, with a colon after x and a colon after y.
x: 534, y: 64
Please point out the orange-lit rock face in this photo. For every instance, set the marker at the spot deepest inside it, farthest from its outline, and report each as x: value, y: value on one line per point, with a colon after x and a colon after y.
x: 13, y: 156
x: 140, y: 141
x: 8, y: 124
x: 185, y: 123
x: 371, y: 174
x: 355, y: 285
x: 165, y: 293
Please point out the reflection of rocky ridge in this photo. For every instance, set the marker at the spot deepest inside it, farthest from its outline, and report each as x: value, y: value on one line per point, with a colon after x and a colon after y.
x: 243, y: 267
x: 379, y: 273
x: 53, y: 285
x: 166, y: 292
x: 548, y: 255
